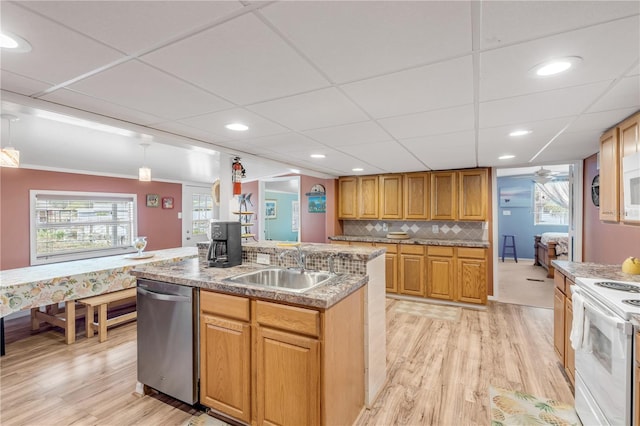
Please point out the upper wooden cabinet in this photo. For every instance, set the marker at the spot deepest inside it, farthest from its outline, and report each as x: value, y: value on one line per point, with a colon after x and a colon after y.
x: 368, y: 197
x: 444, y: 196
x: 472, y: 194
x: 609, y: 176
x: 629, y: 144
x: 391, y: 197
x: 348, y: 197
x: 416, y: 196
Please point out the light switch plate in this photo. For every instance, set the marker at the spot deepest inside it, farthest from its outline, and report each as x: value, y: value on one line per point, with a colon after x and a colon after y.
x: 263, y: 259
x: 506, y: 212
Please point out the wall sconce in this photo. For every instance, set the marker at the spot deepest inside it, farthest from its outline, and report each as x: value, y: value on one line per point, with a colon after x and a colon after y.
x: 144, y: 172
x: 9, y: 156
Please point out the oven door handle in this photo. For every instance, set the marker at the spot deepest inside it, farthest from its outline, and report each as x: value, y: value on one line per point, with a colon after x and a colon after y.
x: 602, y: 310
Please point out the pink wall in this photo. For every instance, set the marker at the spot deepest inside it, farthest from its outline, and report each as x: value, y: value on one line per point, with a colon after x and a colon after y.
x: 161, y: 226
x: 604, y: 242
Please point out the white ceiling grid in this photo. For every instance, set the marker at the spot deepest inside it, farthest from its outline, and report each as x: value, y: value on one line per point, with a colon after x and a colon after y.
x: 389, y: 86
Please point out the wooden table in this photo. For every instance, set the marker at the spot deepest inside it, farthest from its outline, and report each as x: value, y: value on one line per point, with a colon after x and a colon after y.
x: 42, y: 285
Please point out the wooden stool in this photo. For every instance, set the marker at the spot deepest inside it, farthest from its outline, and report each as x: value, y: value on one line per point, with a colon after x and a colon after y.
x: 65, y: 319
x: 511, y: 246
x: 101, y: 302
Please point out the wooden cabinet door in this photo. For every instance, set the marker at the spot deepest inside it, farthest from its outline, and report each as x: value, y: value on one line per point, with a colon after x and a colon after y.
x: 444, y: 196
x: 416, y: 196
x: 472, y: 281
x: 391, y: 272
x: 391, y: 197
x: 629, y: 144
x: 569, y: 353
x: 472, y: 194
x: 609, y: 176
x: 412, y: 270
x: 225, y: 342
x: 558, y: 324
x: 441, y: 278
x: 368, y: 197
x: 288, y: 378
x: 347, y: 198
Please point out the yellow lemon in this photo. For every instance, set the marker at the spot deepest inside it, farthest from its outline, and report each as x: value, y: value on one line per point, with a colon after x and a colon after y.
x: 631, y: 266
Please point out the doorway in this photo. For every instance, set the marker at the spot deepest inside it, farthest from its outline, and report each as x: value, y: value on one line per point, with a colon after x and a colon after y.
x: 279, y: 217
x: 198, y: 208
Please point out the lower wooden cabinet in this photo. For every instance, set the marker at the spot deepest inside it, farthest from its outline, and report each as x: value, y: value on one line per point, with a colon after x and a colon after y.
x: 307, y: 364
x: 390, y: 266
x: 558, y: 324
x: 471, y: 275
x: 569, y: 352
x: 412, y: 270
x: 440, y: 272
x: 562, y: 322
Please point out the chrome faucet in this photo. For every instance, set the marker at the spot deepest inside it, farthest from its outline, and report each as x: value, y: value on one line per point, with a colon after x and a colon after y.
x: 298, y: 255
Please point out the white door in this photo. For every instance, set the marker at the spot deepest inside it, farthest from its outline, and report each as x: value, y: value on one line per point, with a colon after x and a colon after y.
x: 197, y: 212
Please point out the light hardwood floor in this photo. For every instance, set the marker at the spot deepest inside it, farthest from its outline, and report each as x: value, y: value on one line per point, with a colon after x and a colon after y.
x: 439, y: 372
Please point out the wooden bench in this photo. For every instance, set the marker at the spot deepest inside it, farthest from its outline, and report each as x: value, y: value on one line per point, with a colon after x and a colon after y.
x: 64, y: 318
x: 101, y: 302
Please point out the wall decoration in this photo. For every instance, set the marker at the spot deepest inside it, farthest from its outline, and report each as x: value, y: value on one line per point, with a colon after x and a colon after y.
x: 153, y: 200
x: 317, y: 204
x: 270, y: 209
x: 515, y: 197
x: 595, y: 191
x: 167, y: 202
x: 295, y: 216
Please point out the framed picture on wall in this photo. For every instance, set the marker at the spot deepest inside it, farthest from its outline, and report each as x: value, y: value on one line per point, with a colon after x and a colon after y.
x: 167, y: 202
x: 270, y: 209
x: 153, y: 200
x: 515, y: 197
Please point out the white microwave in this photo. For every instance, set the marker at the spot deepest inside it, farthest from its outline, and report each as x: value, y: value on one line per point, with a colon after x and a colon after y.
x: 631, y: 186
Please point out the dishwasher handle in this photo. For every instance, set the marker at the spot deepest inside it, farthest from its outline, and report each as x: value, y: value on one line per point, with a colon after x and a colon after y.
x: 163, y: 296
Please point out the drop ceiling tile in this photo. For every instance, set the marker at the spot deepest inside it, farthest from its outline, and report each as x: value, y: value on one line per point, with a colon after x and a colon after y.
x: 321, y: 108
x: 539, y: 106
x: 189, y: 131
x: 131, y: 26
x: 20, y: 84
x: 442, y: 152
x: 443, y: 85
x: 571, y: 147
x: 136, y: 85
x: 600, y: 121
x: 349, y: 134
x: 388, y: 156
x: 241, y: 60
x: 625, y: 94
x: 58, y: 54
x: 450, y: 120
x: 505, y: 22
x: 635, y: 70
x: 215, y: 122
x: 283, y: 143
x: 99, y: 106
x: 505, y: 72
x: 353, y: 40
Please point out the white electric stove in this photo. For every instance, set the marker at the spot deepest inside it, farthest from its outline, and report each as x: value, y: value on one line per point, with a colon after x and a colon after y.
x: 622, y: 297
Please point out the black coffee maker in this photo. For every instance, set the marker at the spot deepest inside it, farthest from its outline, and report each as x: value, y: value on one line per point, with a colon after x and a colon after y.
x: 226, y: 245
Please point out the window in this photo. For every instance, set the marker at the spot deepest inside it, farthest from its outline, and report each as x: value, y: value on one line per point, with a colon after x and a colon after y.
x: 551, y: 203
x: 202, y: 207
x: 68, y: 225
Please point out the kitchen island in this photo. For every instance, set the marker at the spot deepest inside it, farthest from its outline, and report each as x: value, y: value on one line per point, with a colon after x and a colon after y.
x: 313, y: 357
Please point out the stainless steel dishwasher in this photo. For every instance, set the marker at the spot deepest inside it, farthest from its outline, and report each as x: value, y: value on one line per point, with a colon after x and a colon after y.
x: 168, y: 338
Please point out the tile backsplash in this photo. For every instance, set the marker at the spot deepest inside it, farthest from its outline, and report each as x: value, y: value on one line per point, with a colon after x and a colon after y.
x: 419, y: 229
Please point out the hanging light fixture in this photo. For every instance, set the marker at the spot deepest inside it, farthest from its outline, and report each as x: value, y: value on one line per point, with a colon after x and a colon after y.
x: 144, y: 172
x: 9, y: 156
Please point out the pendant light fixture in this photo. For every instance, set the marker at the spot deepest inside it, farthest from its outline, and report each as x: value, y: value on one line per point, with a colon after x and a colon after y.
x: 144, y: 172
x: 9, y: 156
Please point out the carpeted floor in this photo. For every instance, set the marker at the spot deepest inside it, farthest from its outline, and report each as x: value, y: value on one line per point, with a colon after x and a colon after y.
x: 518, y: 408
x: 524, y: 284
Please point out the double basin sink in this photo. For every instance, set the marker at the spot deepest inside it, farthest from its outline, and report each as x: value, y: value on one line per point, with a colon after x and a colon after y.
x: 295, y: 280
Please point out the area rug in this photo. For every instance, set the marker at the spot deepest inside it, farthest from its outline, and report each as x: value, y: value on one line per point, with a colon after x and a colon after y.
x: 511, y: 408
x: 442, y: 312
x: 203, y: 419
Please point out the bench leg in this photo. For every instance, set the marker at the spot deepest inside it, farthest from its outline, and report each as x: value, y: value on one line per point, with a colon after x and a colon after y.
x: 102, y: 322
x: 89, y: 321
x: 70, y: 321
x: 35, y: 322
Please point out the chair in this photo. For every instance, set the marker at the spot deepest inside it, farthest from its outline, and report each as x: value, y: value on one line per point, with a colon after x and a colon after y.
x: 511, y: 239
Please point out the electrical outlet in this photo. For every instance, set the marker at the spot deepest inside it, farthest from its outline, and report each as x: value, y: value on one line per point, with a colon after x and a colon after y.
x: 385, y: 228
x: 506, y: 212
x: 435, y: 229
x: 263, y: 259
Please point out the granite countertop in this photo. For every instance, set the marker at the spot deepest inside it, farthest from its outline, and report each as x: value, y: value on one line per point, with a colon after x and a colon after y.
x: 420, y: 241
x: 193, y: 273
x: 593, y: 270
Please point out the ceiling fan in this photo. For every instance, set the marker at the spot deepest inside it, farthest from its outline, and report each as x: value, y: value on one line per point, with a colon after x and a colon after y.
x: 543, y: 175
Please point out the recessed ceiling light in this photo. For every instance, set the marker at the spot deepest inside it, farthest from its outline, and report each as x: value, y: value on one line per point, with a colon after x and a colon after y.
x: 520, y: 132
x: 318, y: 156
x: 13, y: 43
x: 555, y: 66
x: 506, y: 157
x: 357, y: 169
x: 238, y: 127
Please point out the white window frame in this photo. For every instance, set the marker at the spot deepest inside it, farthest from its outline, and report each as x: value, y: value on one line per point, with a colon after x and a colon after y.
x: 535, y: 212
x: 35, y: 260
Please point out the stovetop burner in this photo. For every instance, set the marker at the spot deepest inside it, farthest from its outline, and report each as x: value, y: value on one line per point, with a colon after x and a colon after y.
x: 619, y: 286
x: 632, y: 302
